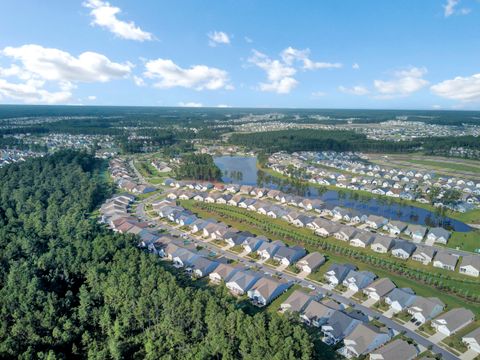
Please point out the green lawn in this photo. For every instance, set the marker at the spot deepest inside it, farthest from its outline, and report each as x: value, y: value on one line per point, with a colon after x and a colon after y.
x: 447, y: 165
x: 275, y: 304
x: 455, y: 341
x: 468, y: 241
x: 427, y: 329
x: 278, y: 229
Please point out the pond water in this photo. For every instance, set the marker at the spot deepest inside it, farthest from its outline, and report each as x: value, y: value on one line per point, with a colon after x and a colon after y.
x: 243, y: 170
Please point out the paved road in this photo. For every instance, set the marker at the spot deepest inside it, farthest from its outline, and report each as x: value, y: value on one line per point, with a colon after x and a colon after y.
x: 419, y: 339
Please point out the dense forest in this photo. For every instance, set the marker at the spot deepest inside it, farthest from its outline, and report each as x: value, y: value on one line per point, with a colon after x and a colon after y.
x: 198, y: 167
x: 70, y: 288
x: 340, y: 140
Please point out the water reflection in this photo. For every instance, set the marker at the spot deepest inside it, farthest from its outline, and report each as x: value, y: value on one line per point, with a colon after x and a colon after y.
x: 243, y: 170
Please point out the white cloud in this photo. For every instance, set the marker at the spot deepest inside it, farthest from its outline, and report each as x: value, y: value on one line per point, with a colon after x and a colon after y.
x: 355, y: 66
x: 450, y: 6
x: 465, y: 89
x: 138, y: 80
x: 279, y: 74
x: 248, y: 40
x: 290, y: 55
x: 92, y: 98
x: 40, y: 69
x: 105, y: 15
x: 198, y: 77
x: 404, y: 83
x: 223, y: 106
x: 318, y: 93
x: 190, y: 104
x: 218, y: 37
x: 354, y: 90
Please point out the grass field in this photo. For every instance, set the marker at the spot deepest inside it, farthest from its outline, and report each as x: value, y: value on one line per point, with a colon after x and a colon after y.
x: 440, y: 165
x: 245, y: 220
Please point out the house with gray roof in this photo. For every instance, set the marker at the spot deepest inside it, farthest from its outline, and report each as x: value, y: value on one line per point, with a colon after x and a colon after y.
x: 357, y: 280
x: 252, y: 243
x: 337, y: 273
x: 400, y: 298
x: 379, y: 288
x: 268, y: 249
x: 289, y: 255
x: 382, y: 244
x: 424, y: 254
x: 223, y: 272
x: 296, y: 302
x: 396, y: 350
x: 363, y: 340
x: 316, y: 313
x: 345, y: 233
x: 416, y: 232
x: 403, y: 249
x: 470, y: 265
x: 338, y: 326
x: 438, y: 235
x: 395, y: 227
x: 362, y: 239
x: 183, y: 257
x: 453, y: 321
x: 242, y: 281
x: 311, y: 262
x: 445, y: 260
x: 424, y: 309
x: 472, y: 340
x: 376, y: 222
x: 202, y: 266
x: 265, y: 290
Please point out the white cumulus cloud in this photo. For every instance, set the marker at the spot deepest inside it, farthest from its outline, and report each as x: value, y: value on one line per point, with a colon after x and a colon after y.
x: 354, y: 90
x: 466, y: 89
x: 290, y: 55
x: 450, y: 8
x: 217, y: 38
x: 355, y: 66
x: 105, y: 15
x: 404, y: 82
x: 37, y: 70
x: 198, y: 77
x: 190, y: 104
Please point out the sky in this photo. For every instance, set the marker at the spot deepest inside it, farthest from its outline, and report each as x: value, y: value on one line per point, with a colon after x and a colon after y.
x: 375, y: 54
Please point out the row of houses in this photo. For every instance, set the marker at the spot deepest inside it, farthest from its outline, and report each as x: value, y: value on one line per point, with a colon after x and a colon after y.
x: 397, y: 183
x: 122, y: 177
x: 399, y: 248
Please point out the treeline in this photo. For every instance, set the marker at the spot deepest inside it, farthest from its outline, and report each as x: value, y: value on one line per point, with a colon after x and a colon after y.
x: 198, y: 167
x: 71, y: 289
x: 318, y: 140
x: 341, y: 140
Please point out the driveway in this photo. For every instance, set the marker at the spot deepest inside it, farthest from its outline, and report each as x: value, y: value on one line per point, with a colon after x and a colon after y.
x: 303, y: 274
x: 369, y: 302
x: 469, y: 355
x: 436, y: 338
x: 410, y: 325
x: 348, y: 294
x: 389, y: 313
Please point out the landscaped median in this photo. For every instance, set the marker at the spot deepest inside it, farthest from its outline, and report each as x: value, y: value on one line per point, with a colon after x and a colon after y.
x: 452, y: 288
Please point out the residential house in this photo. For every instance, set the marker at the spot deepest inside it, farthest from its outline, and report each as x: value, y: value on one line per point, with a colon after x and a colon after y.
x: 296, y: 302
x: 338, y: 326
x: 357, y: 280
x: 472, y: 340
x: 327, y: 229
x: 223, y: 272
x: 453, y: 321
x: 242, y: 281
x: 289, y: 255
x: 382, y: 244
x: 345, y: 233
x: 337, y: 273
x: 379, y: 288
x: 416, y: 232
x: 445, y: 260
x: 363, y: 340
x: 202, y: 266
x: 403, y: 249
x: 400, y: 298
x: 395, y: 227
x: 183, y: 257
x: 268, y: 249
x: 396, y: 350
x: 265, y: 290
x: 316, y: 313
x: 424, y: 254
x: 424, y: 309
x: 311, y: 262
x: 438, y: 235
x: 362, y: 239
x: 376, y: 222
x: 470, y: 265
x: 252, y: 243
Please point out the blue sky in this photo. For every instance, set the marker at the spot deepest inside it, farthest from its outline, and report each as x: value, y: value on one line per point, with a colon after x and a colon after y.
x: 407, y: 54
